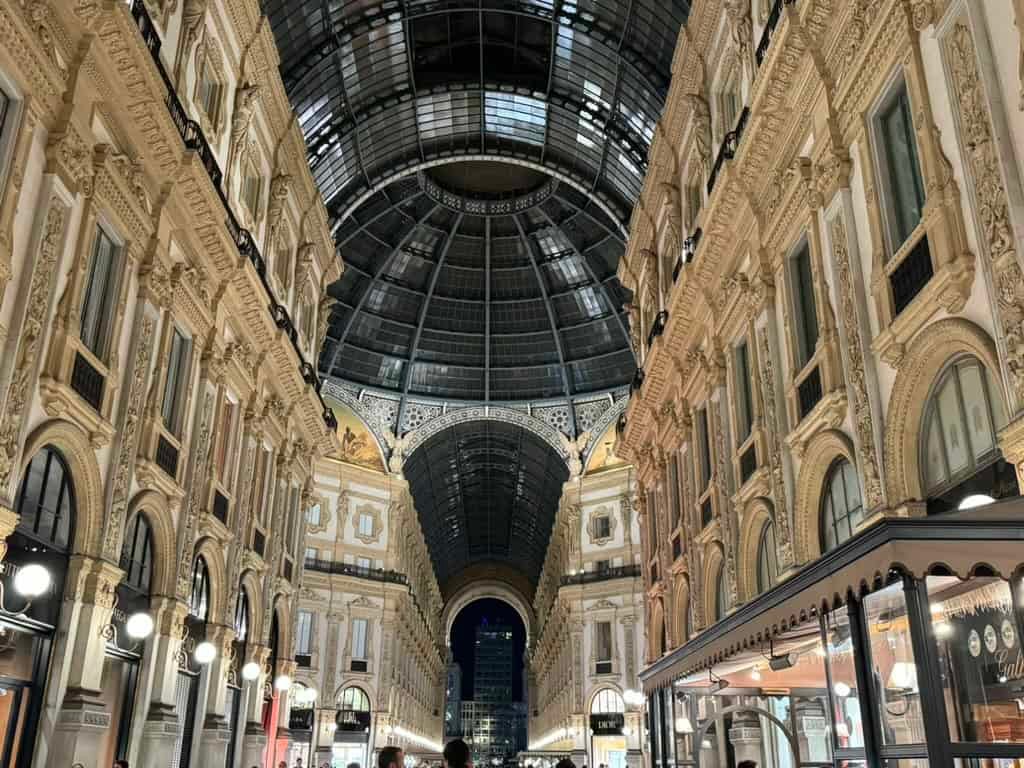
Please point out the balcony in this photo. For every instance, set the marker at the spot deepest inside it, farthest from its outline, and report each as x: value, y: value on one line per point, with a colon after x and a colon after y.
x: 769, y: 30
x: 658, y: 327
x: 911, y: 275
x: 194, y: 140
x: 606, y: 574
x: 730, y: 145
x: 359, y: 571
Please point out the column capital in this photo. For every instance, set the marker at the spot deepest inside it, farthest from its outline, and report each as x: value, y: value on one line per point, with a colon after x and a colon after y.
x: 94, y: 581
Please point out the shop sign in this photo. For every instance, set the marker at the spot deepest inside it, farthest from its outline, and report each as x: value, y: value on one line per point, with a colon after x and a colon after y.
x: 608, y: 724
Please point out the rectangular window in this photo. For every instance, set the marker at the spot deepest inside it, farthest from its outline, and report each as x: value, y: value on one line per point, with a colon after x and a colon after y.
x: 5, y: 110
x: 602, y: 566
x: 100, y: 295
x: 694, y: 201
x: 311, y: 553
x: 177, y: 378
x: 730, y: 103
x: 603, y: 641
x: 704, y: 445
x: 901, y: 171
x: 602, y: 527
x: 226, y: 441
x: 804, y: 307
x: 673, y: 490
x: 251, y: 188
x: 744, y: 397
x: 210, y: 97
x: 365, y: 524
x: 262, y: 478
x: 359, y: 638
x: 364, y: 562
x: 313, y: 514
x: 307, y: 319
x: 304, y: 633
x: 652, y: 515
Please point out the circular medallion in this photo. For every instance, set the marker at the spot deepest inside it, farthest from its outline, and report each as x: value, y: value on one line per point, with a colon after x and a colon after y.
x: 1009, y: 634
x: 974, y: 643
x: 991, y: 639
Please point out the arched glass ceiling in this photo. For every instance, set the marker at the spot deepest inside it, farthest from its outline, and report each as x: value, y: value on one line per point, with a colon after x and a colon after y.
x: 486, y: 491
x: 440, y: 302
x: 382, y: 86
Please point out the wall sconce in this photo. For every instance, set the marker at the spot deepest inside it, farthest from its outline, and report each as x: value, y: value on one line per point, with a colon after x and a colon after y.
x: 251, y: 671
x: 30, y: 582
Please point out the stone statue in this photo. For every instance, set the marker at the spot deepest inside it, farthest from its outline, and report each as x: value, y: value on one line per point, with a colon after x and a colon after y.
x: 398, y: 446
x: 575, y: 449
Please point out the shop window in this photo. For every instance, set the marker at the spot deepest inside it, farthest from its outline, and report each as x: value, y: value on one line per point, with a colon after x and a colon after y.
x: 46, y: 501
x: 893, y: 667
x: 805, y: 313
x: 841, y: 508
x: 962, y: 419
x: 100, y: 294
x: 849, y: 720
x: 767, y: 559
x: 199, y: 600
x: 137, y: 554
x: 177, y: 381
x: 744, y: 396
x: 607, y: 702
x: 304, y: 633
x: 977, y: 632
x: 896, y: 155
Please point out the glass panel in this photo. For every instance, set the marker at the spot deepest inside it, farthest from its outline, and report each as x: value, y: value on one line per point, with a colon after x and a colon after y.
x: 603, y: 641
x: 988, y: 762
x: 744, y: 402
x: 804, y: 308
x: 902, y: 169
x: 972, y: 386
x: 176, y: 374
x: 705, y: 448
x: 935, y: 461
x: 304, y: 633
x: 117, y: 692
x: 894, y: 670
x: 978, y: 638
x: 954, y: 433
x: 359, y: 638
x: 849, y: 723
x: 767, y: 564
x: 97, y: 309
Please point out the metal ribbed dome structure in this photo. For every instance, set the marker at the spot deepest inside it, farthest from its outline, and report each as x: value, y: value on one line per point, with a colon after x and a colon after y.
x: 484, y: 298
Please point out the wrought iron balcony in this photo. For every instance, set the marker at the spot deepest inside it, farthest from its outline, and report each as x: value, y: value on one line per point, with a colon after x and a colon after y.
x: 658, y: 327
x: 730, y: 144
x: 359, y: 571
x: 631, y: 571
x: 769, y: 29
x: 689, y: 251
x: 194, y: 140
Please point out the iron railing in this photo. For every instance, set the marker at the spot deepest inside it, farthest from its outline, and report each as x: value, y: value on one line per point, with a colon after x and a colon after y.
x: 769, y: 29
x: 912, y: 275
x: 730, y: 145
x: 809, y: 392
x: 631, y: 571
x: 359, y: 571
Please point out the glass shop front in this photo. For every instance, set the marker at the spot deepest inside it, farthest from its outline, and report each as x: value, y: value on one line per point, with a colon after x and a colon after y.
x: 917, y: 671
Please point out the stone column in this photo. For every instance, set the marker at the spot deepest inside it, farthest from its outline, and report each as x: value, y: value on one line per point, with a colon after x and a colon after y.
x: 254, y: 740
x: 160, y: 730
x: 745, y: 737
x: 80, y: 720
x: 812, y: 730
x: 216, y: 734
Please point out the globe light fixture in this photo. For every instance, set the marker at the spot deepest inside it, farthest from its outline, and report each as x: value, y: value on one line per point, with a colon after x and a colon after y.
x: 139, y: 625
x: 32, y: 581
x: 250, y: 671
x: 842, y: 690
x: 975, y: 500
x: 205, y: 652
x: 283, y: 682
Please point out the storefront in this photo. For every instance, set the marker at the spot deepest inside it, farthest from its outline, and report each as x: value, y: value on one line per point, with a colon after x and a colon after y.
x: 34, y: 571
x: 902, y: 647
x: 301, y: 721
x: 607, y: 730
x: 352, y: 725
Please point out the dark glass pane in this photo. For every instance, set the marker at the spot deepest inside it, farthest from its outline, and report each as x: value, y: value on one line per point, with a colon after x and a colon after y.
x: 903, y: 171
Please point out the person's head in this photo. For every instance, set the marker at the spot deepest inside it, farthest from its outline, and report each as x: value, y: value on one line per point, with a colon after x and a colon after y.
x: 120, y: 764
x: 565, y: 762
x: 352, y: 765
x: 390, y: 757
x: 747, y: 764
x: 456, y: 754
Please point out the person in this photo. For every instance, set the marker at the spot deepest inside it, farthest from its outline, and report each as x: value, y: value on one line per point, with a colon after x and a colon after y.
x: 565, y: 762
x: 352, y: 765
x: 456, y: 754
x: 747, y: 764
x: 391, y: 757
x: 120, y: 764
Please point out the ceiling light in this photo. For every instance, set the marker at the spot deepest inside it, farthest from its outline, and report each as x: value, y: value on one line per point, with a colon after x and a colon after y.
x: 841, y: 689
x: 251, y: 671
x: 943, y: 629
x: 205, y: 652
x: 139, y: 625
x: 785, y: 661
x: 283, y: 682
x: 32, y: 581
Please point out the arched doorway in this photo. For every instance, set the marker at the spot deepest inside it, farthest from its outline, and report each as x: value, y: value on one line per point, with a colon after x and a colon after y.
x: 352, y: 724
x: 35, y: 569
x: 487, y: 696
x: 607, y: 729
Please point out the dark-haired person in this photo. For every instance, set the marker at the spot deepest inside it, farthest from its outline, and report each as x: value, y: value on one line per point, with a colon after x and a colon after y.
x: 456, y: 754
x: 391, y: 757
x: 747, y: 764
x: 565, y: 762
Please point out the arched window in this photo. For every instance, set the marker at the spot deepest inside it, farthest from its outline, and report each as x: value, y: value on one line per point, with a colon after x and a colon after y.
x: 841, y: 507
x: 199, y: 602
x: 607, y: 702
x: 963, y: 415
x: 242, y: 616
x: 137, y: 555
x: 721, y: 597
x: 767, y: 559
x: 354, y: 699
x: 46, y: 501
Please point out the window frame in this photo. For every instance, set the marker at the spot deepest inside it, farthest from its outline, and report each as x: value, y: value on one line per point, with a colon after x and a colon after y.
x: 11, y: 114
x: 304, y: 623
x: 599, y: 626
x: 897, y: 86
x: 744, y: 395
x: 180, y: 382
x: 361, y: 639
x: 129, y: 561
x: 804, y: 351
x: 768, y: 576
x: 200, y: 585
x: 103, y: 345
x: 827, y: 506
